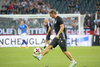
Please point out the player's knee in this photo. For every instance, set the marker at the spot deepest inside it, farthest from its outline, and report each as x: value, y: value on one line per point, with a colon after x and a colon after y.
x: 45, y: 40
x: 64, y: 50
x: 50, y: 47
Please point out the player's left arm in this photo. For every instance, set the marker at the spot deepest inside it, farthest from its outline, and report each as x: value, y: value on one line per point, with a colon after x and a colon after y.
x: 60, y: 31
x: 49, y: 30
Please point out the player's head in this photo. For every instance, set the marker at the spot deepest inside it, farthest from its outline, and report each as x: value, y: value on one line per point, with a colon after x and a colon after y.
x: 21, y: 21
x: 53, y: 13
x: 46, y: 20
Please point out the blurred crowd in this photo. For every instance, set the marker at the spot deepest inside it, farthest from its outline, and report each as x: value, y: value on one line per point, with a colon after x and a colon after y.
x: 43, y: 7
x: 25, y: 7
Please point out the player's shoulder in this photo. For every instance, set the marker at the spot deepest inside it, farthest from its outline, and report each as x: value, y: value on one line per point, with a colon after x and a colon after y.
x: 19, y: 26
x: 59, y: 18
x: 25, y: 24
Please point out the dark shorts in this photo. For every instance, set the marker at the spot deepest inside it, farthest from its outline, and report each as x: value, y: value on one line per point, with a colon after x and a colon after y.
x: 48, y: 36
x: 61, y: 42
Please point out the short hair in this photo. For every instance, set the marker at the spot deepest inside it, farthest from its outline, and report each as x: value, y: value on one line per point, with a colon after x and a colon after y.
x: 22, y: 20
x: 52, y: 11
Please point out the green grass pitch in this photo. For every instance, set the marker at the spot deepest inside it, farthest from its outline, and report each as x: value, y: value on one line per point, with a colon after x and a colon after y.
x: 22, y: 57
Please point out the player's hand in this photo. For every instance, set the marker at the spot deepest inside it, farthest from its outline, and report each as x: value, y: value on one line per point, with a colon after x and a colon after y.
x: 46, y: 33
x: 26, y: 32
x: 57, y: 36
x: 19, y: 34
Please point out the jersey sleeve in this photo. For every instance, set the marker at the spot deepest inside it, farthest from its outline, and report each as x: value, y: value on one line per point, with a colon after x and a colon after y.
x: 60, y: 21
x: 25, y: 25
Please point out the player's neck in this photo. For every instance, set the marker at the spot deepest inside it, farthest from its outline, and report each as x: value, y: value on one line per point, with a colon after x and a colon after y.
x: 21, y: 24
x: 55, y: 16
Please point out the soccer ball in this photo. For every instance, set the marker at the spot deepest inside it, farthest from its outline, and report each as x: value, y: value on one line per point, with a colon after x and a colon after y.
x: 37, y: 51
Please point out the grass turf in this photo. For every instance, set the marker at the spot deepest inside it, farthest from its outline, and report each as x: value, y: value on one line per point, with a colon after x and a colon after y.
x: 22, y: 57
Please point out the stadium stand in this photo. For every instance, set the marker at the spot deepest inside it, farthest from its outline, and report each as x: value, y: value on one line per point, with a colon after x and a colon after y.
x: 43, y: 6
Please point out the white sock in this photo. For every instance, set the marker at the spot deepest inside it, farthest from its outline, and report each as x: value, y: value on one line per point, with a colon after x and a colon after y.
x: 73, y: 61
x: 40, y: 56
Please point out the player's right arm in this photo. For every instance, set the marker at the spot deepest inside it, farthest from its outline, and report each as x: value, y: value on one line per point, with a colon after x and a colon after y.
x: 60, y: 31
x: 61, y: 27
x: 48, y: 28
x: 19, y: 30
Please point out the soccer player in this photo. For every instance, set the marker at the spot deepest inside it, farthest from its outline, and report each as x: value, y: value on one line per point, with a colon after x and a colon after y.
x: 60, y: 39
x: 23, y: 30
x: 48, y: 31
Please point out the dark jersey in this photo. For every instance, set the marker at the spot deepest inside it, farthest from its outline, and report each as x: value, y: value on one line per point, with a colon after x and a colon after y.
x: 47, y: 26
x: 57, y: 23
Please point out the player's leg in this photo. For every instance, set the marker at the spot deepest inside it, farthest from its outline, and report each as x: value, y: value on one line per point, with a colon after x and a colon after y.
x: 47, y: 49
x: 68, y: 54
x: 45, y: 44
x: 62, y: 44
x: 47, y: 40
x: 24, y: 38
x: 25, y: 43
x: 21, y: 44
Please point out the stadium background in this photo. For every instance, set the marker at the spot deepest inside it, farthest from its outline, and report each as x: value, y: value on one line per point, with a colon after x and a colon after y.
x: 86, y: 56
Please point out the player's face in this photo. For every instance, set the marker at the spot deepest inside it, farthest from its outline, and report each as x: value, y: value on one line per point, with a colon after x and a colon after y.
x: 46, y: 20
x: 52, y: 15
x: 21, y: 22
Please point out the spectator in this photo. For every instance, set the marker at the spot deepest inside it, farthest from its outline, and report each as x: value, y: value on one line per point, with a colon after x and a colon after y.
x: 34, y: 10
x: 13, y: 30
x: 4, y: 7
x: 98, y: 6
x: 71, y: 11
x: 72, y: 4
x: 25, y: 7
x: 10, y: 7
x: 35, y: 23
x: 87, y: 16
x: 48, y: 7
x: 6, y: 3
x: 23, y: 3
x: 36, y: 5
x: 77, y: 4
x: 77, y: 11
x: 88, y: 24
x: 30, y: 9
x: 44, y: 11
x: 18, y: 4
x: 40, y: 2
x: 39, y: 11
x: 44, y: 6
x: 29, y: 2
